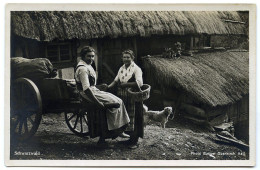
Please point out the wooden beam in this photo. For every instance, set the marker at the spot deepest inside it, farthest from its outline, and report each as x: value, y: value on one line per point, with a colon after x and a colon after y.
x: 233, y: 141
x: 239, y: 22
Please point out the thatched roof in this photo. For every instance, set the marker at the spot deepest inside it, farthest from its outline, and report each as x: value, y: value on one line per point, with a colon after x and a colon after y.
x: 218, y: 78
x: 49, y: 25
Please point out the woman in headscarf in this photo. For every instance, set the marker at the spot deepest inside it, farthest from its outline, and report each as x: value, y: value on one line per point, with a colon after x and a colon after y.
x: 86, y: 80
x: 130, y: 76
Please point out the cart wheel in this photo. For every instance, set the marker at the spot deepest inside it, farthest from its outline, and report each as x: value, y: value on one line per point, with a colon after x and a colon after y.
x: 78, y: 122
x: 26, y: 109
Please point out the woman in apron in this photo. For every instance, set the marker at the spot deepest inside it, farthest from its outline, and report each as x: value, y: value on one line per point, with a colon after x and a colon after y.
x: 86, y: 80
x: 130, y: 76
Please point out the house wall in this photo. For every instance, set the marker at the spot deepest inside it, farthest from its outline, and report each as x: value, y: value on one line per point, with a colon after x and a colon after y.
x: 156, y: 44
x: 109, y: 51
x: 230, y: 41
x: 238, y: 113
x: 27, y: 48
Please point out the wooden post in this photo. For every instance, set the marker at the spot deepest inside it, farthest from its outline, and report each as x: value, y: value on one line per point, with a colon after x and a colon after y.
x: 94, y: 44
x: 135, y: 49
x: 99, y: 64
x: 191, y: 43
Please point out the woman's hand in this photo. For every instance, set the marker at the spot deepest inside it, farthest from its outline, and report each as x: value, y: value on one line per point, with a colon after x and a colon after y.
x: 105, y: 87
x: 102, y: 87
x: 93, y: 98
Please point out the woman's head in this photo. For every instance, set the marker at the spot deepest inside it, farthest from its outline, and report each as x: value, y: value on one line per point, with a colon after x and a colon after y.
x: 87, y: 54
x: 128, y: 57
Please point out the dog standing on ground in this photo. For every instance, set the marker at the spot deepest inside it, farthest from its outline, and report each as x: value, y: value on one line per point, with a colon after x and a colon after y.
x: 157, y: 116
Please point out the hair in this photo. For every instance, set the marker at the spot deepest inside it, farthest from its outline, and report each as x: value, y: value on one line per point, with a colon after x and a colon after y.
x: 85, y: 50
x: 129, y: 52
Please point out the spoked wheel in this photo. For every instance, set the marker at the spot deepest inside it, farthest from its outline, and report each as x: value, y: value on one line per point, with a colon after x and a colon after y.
x: 78, y: 122
x: 26, y: 109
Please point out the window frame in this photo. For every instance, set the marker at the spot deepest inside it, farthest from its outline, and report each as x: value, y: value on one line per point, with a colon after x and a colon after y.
x: 203, y: 40
x: 59, y: 57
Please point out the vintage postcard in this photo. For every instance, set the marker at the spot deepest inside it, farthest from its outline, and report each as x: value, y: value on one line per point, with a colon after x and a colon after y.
x: 136, y: 85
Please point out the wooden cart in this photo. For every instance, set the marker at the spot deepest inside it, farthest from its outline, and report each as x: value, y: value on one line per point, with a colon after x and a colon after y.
x: 31, y: 99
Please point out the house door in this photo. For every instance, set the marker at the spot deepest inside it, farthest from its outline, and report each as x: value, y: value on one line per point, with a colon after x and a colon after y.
x: 110, y: 57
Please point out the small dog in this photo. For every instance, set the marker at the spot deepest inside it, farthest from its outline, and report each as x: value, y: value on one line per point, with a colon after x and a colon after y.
x: 157, y: 116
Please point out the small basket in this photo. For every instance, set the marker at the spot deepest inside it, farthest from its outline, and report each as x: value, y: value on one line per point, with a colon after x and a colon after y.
x: 142, y: 95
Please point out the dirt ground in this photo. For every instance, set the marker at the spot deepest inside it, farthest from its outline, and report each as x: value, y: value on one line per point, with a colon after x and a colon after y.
x: 180, y: 140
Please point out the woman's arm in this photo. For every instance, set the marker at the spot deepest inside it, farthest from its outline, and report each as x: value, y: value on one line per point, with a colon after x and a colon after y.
x: 123, y: 85
x: 83, y: 76
x: 139, y: 76
x: 112, y: 84
x: 116, y: 80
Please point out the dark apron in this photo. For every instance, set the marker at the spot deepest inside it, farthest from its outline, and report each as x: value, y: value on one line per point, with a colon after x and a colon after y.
x: 134, y: 110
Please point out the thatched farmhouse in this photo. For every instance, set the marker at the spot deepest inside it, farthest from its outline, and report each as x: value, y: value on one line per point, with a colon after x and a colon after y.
x: 214, y: 81
x: 59, y: 35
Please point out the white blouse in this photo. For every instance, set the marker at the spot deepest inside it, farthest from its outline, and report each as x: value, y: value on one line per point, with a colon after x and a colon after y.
x: 82, y: 74
x: 124, y: 74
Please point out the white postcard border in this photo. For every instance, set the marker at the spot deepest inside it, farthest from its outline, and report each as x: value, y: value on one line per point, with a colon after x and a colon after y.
x: 145, y: 7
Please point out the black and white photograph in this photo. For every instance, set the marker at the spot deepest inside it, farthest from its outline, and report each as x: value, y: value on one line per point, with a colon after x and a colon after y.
x: 137, y: 85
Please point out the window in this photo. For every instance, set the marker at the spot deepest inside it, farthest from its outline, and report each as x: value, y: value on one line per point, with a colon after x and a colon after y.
x: 201, y: 41
x: 59, y: 52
